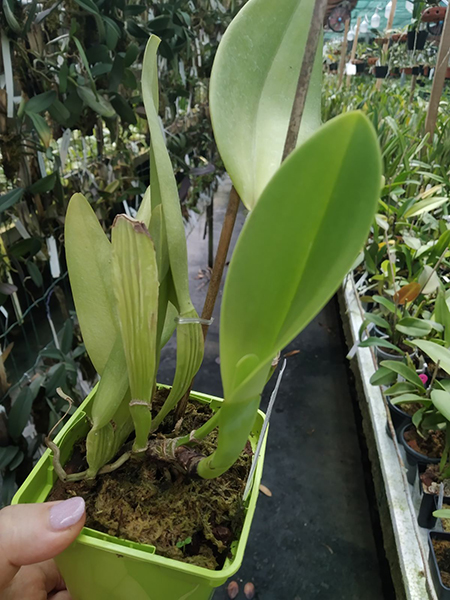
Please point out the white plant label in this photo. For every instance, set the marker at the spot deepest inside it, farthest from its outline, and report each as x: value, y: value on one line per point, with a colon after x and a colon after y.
x: 55, y: 268
x: 350, y: 69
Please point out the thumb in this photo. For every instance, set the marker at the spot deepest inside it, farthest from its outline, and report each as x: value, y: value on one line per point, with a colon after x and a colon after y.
x: 32, y: 533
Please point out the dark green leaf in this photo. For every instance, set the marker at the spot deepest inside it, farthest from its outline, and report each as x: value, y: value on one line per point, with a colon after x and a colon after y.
x: 10, y: 198
x: 136, y: 31
x: 46, y: 184
x: 380, y: 343
x: 101, y: 69
x: 59, y: 112
x: 35, y: 274
x: 133, y: 10
x: 404, y: 371
x: 56, y: 379
x: 117, y: 71
x: 123, y: 109
x: 16, y: 461
x: 63, y: 75
x: 112, y: 31
x: 20, y: 413
x: 159, y: 23
x: 7, y: 453
x: 98, y: 54
x: 9, y: 487
x: 22, y: 248
x: 66, y: 337
x: 10, y: 17
x: 383, y: 377
x: 41, y: 102
x: 53, y: 353
x: 100, y: 106
x: 131, y: 54
x: 89, y: 6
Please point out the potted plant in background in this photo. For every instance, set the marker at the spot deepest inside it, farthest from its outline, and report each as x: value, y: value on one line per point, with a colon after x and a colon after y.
x: 132, y: 293
x: 417, y: 35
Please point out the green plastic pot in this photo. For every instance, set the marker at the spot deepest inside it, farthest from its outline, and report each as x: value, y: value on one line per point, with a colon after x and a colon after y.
x: 98, y: 566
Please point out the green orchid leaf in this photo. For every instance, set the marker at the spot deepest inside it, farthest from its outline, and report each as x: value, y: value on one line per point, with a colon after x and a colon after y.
x: 379, y: 343
x: 98, y: 104
x: 413, y: 327
x: 441, y: 401
x: 135, y: 276
x: 436, y: 352
x: 296, y: 246
x: 386, y: 303
x: 442, y: 315
x: 424, y: 206
x: 404, y: 371
x: 253, y: 85
x: 442, y: 514
x: 89, y: 261
x: 402, y: 387
x: 410, y: 398
x: 169, y: 233
x: 40, y: 102
x: 383, y: 376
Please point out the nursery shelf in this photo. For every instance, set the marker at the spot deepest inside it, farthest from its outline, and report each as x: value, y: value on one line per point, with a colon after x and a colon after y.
x: 405, y: 542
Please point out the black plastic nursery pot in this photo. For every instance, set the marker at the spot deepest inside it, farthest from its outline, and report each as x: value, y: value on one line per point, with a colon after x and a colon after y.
x: 360, y: 67
x: 442, y: 591
x: 334, y: 66
x: 413, y: 458
x: 381, y: 72
x: 398, y: 416
x: 417, y: 39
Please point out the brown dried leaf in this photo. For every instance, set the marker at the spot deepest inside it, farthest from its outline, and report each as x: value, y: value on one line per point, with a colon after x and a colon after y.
x: 291, y: 353
x: 407, y: 293
x: 233, y: 590
x: 249, y: 590
x: 265, y: 490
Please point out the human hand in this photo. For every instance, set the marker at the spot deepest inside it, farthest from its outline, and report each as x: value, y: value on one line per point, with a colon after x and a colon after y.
x: 31, y: 535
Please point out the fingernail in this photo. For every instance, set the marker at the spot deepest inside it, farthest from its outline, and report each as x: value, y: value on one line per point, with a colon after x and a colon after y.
x: 67, y: 513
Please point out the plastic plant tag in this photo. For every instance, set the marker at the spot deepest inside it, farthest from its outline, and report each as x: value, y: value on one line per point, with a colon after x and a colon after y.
x: 64, y: 149
x: 55, y: 268
x: 350, y: 69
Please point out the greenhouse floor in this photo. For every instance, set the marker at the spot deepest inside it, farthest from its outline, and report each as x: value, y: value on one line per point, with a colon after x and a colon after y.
x: 318, y: 535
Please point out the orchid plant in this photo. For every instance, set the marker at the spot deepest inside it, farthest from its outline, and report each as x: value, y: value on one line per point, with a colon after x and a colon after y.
x: 309, y: 218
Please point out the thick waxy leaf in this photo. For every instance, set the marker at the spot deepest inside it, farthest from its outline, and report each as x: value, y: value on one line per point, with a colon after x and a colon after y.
x: 409, y: 398
x: 43, y: 130
x: 383, y: 376
x: 294, y: 251
x: 379, y: 343
x: 100, y: 105
x: 442, y: 316
x: 404, y: 371
x: 424, y: 206
x: 441, y: 401
x: 413, y: 327
x: 169, y: 231
x: 253, y: 86
x: 297, y: 245
x: 385, y: 302
x: 41, y: 102
x: 436, y: 352
x: 89, y: 257
x: 10, y: 198
x: 136, y: 289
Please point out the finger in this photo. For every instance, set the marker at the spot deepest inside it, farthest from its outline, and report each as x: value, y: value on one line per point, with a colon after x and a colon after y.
x: 32, y: 533
x: 50, y: 574
x: 61, y: 596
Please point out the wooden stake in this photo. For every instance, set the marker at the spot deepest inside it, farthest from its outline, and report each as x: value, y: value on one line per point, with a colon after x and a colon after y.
x: 343, y: 53
x: 355, y: 43
x: 309, y: 56
x: 413, y: 87
x: 439, y: 76
x: 388, y: 35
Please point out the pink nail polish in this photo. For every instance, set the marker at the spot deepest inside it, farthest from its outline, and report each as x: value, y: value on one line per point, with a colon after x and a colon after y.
x: 67, y: 513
